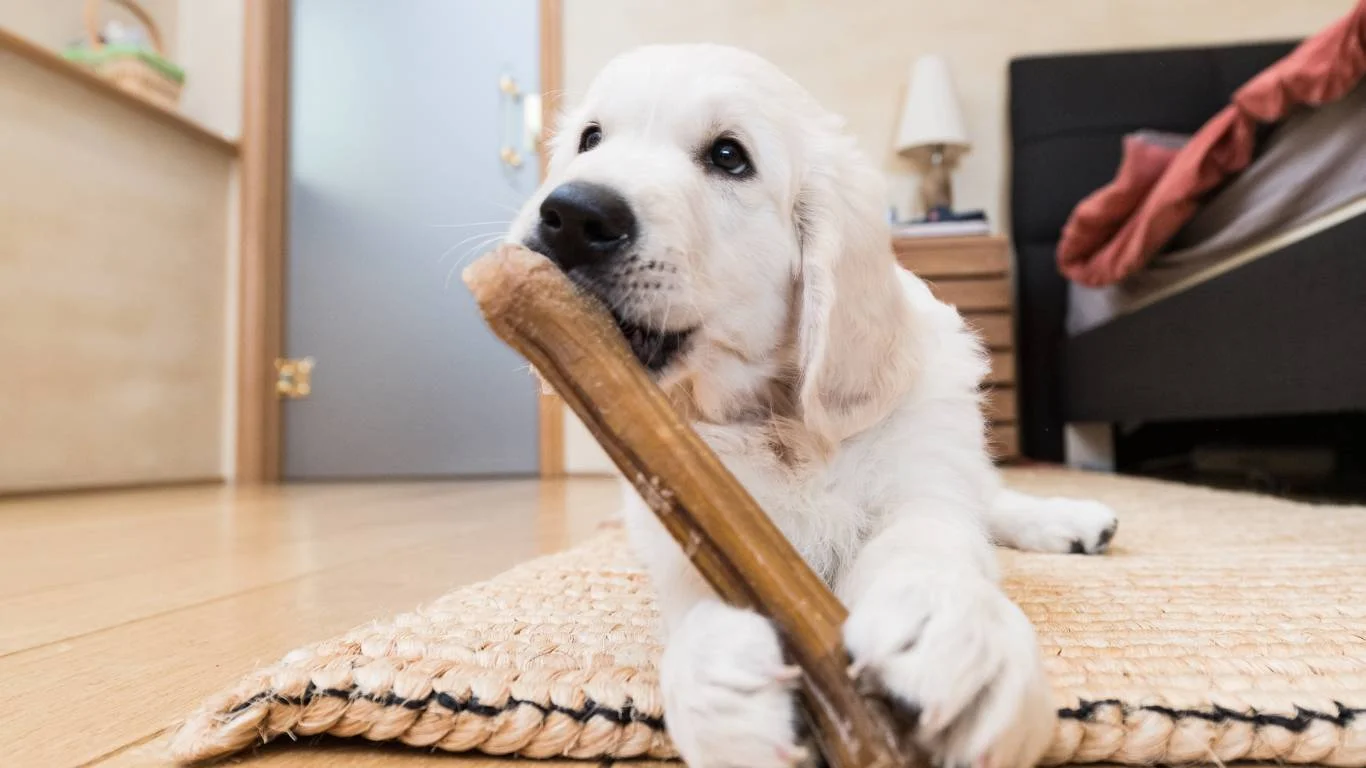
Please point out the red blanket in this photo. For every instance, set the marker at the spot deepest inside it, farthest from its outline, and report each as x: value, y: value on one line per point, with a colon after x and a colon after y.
x: 1115, y: 232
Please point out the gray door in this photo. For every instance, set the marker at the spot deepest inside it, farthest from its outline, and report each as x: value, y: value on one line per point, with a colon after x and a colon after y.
x: 396, y: 129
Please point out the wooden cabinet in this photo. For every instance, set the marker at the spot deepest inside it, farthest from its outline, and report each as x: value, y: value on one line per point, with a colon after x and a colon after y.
x: 973, y: 274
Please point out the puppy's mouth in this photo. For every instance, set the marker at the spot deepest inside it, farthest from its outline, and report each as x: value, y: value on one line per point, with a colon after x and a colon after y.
x: 654, y: 349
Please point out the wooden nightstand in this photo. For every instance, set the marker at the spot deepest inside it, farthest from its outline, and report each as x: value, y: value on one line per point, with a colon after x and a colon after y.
x: 973, y: 274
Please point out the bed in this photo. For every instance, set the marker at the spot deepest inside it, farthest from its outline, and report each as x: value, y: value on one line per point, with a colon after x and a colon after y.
x: 1270, y: 326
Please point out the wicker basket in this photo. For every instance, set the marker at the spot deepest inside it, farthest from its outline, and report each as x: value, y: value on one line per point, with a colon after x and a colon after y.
x: 148, y: 74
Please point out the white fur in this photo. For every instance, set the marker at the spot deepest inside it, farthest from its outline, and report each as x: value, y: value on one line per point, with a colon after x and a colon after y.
x: 874, y: 464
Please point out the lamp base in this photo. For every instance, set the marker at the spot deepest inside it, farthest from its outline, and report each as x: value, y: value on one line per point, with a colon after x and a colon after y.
x: 936, y: 189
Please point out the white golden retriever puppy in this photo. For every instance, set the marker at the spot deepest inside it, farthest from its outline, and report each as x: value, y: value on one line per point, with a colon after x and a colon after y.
x: 739, y: 238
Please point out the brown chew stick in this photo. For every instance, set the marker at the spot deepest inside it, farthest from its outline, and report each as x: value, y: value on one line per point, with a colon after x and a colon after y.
x: 573, y: 343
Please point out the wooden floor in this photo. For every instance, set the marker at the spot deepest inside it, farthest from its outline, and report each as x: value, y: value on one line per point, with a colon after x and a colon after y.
x: 120, y: 611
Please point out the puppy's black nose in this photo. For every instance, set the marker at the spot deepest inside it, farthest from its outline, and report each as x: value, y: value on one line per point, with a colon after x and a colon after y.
x: 584, y: 223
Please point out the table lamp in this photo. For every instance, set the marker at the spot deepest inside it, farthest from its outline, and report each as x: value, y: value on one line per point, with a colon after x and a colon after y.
x: 931, y: 132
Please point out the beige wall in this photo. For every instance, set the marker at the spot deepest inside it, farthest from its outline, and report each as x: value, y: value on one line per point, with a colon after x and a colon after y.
x: 114, y: 237
x: 855, y: 57
x: 210, y: 38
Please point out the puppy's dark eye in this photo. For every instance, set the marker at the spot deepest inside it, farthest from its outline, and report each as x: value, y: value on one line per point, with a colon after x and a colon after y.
x: 729, y: 156
x: 591, y: 137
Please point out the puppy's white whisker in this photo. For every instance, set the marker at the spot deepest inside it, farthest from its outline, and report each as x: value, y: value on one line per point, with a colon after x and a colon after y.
x: 690, y: 279
x: 474, y: 252
x: 513, y: 209
x: 472, y: 224
x: 668, y: 305
x: 478, y: 248
x: 472, y: 237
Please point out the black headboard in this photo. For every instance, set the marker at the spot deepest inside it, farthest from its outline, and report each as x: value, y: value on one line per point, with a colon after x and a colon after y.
x: 1068, y: 115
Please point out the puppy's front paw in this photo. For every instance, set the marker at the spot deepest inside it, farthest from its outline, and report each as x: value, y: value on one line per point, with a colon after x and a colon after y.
x: 728, y: 696
x: 955, y: 650
x: 1074, y: 526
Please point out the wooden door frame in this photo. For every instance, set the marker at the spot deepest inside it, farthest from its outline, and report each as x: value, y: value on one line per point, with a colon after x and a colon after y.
x: 264, y: 211
x: 551, y: 417
x: 264, y: 184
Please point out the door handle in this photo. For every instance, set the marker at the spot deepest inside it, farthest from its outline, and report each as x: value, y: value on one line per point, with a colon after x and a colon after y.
x: 521, y: 122
x: 512, y: 105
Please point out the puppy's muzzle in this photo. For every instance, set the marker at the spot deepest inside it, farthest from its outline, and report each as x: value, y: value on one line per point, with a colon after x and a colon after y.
x: 584, y: 224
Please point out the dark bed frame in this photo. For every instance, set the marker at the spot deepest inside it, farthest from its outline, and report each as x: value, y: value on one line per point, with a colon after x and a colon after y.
x: 1284, y: 334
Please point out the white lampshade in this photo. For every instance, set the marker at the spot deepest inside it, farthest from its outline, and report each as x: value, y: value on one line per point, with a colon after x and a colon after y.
x: 931, y: 117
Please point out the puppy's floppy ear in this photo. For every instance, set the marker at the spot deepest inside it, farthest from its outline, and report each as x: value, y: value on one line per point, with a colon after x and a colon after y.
x: 854, y: 348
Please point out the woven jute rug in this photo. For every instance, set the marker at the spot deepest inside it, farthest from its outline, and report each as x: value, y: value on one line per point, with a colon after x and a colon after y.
x: 1221, y: 627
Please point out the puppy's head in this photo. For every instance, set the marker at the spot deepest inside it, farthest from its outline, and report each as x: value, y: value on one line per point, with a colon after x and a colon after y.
x: 735, y: 233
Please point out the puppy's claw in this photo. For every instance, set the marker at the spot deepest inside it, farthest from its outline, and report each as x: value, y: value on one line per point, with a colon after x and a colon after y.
x: 789, y: 675
x: 794, y: 755
x: 1106, y: 536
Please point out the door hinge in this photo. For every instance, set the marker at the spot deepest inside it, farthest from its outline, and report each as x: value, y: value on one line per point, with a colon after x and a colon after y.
x: 293, y: 378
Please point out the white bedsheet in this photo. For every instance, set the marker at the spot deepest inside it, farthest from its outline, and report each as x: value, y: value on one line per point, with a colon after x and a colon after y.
x: 1310, y: 175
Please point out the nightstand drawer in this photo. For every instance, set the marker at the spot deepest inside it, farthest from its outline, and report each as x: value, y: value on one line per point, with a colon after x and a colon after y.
x: 968, y: 295
x: 972, y: 274
x: 1003, y: 440
x: 994, y: 328
x: 999, y: 404
x: 1002, y: 368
